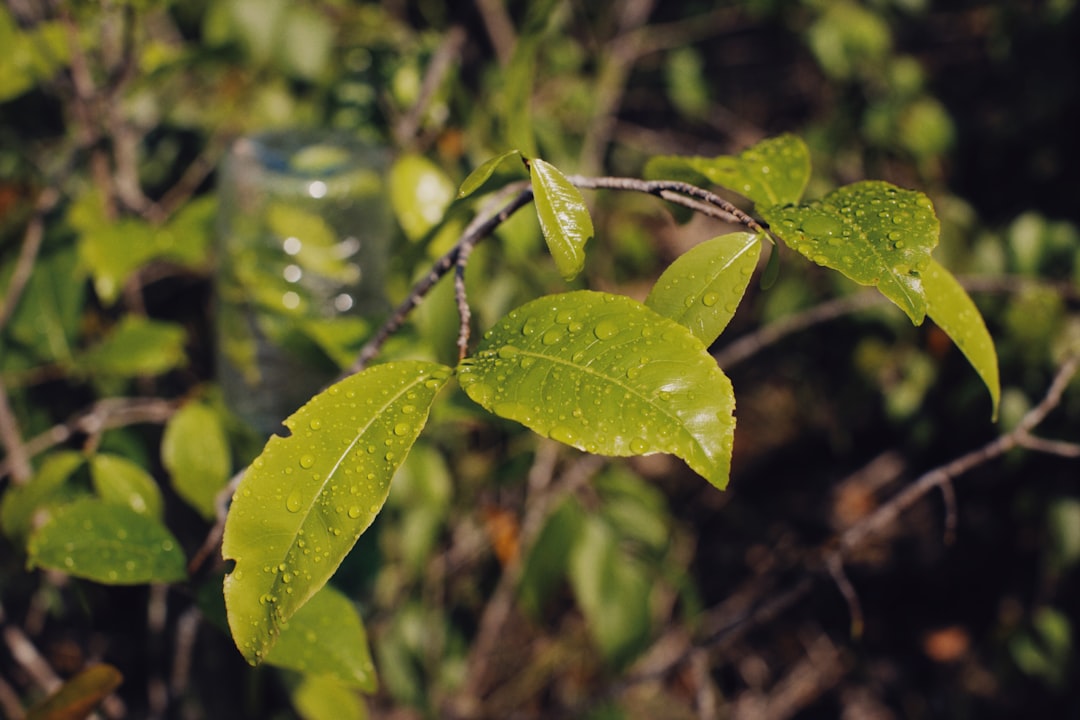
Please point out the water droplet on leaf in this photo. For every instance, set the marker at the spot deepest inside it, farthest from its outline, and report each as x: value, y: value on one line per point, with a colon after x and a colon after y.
x: 605, y: 329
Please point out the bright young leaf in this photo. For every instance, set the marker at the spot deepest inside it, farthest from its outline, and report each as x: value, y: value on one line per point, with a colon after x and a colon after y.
x: 773, y: 172
x: 704, y: 286
x: 948, y: 305
x: 318, y: 251
x: 613, y: 591
x: 195, y: 451
x: 327, y: 637
x: 873, y: 232
x: 108, y: 543
x: 607, y: 375
x: 123, y: 482
x: 47, y: 317
x: 50, y: 488
x: 546, y: 564
x: 320, y: 697
x: 136, y: 346
x: 564, y: 218
x: 420, y: 193
x: 307, y: 498
x: 77, y: 698
x: 518, y: 85
x: 483, y: 173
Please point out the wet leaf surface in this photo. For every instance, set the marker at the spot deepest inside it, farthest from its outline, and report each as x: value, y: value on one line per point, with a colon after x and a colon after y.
x: 607, y: 375
x: 874, y: 233
x: 307, y: 498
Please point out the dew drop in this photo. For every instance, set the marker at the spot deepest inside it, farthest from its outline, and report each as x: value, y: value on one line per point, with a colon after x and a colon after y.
x: 402, y: 429
x: 633, y: 372
x: 605, y: 329
x: 408, y: 409
x: 315, y: 424
x: 354, y: 512
x: 563, y: 434
x: 306, y: 461
x: 710, y: 299
x: 481, y: 392
x: 552, y: 336
x: 530, y: 327
x: 507, y: 352
x: 821, y: 226
x: 294, y: 501
x: 563, y: 317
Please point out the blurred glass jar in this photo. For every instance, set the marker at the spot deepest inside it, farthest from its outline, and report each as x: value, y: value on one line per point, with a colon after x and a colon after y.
x: 303, y: 243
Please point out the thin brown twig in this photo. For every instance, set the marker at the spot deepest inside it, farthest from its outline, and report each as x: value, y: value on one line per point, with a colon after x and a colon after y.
x: 28, y: 252
x: 444, y: 59
x: 106, y: 414
x: 610, y: 83
x: 212, y: 541
x: 10, y: 704
x: 18, y: 458
x: 749, y: 345
x: 887, y: 513
x: 545, y: 488
x: 835, y: 565
x: 423, y: 286
x: 193, y: 176
x: 679, y: 193
x: 500, y: 29
x: 948, y: 496
x: 672, y: 191
x: 30, y: 659
x: 464, y: 312
x: 830, y: 557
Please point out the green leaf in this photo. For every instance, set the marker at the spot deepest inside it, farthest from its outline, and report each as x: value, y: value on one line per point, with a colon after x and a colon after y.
x: 319, y: 697
x: 195, y: 452
x: 31, y: 56
x: 772, y: 267
x: 47, y: 317
x: 307, y: 498
x: 873, y: 232
x: 77, y: 698
x: 613, y: 591
x: 306, y: 43
x: 108, y: 543
x: 420, y: 193
x: 518, y: 84
x: 120, y: 481
x: 483, y: 173
x: 546, y: 564
x: 564, y: 219
x: 704, y: 286
x: 339, y: 337
x: 948, y: 305
x: 112, y: 250
x: 773, y: 172
x: 135, y: 347
x: 49, y: 489
x: 318, y: 251
x: 607, y: 375
x: 327, y: 637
